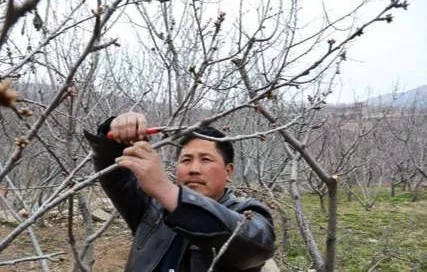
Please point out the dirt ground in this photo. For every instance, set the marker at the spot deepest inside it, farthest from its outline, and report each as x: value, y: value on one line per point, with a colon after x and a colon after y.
x: 111, y: 249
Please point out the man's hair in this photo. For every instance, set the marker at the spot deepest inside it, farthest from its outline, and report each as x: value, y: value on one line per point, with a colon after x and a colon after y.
x: 225, y: 148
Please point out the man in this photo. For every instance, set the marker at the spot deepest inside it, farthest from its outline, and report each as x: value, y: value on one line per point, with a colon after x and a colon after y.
x: 180, y: 226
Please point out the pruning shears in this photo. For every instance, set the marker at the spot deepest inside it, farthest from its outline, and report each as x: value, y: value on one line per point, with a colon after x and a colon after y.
x: 153, y: 130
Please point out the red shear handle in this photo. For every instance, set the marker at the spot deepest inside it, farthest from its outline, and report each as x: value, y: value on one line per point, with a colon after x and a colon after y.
x: 153, y: 130
x: 149, y: 131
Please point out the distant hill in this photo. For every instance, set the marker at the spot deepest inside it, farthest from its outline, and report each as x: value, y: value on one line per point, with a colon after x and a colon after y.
x: 417, y: 96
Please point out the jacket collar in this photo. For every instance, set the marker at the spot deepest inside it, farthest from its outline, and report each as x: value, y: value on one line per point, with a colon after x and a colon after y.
x: 228, y: 197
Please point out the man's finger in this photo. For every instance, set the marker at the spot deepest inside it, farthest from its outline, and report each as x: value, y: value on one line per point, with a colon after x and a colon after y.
x: 141, y: 126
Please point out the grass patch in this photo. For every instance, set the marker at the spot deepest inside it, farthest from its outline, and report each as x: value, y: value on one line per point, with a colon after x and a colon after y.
x: 391, y: 236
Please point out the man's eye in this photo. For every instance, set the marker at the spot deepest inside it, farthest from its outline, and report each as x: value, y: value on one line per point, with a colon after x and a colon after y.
x: 206, y: 159
x: 185, y: 160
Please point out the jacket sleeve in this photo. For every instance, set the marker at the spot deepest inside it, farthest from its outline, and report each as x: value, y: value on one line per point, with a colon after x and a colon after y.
x: 120, y: 185
x: 208, y: 224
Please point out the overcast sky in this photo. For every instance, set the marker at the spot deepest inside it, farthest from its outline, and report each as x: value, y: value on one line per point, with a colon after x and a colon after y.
x: 388, y: 54
x: 385, y: 57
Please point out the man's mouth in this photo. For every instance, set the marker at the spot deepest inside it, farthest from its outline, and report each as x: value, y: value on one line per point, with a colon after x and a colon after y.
x: 194, y: 182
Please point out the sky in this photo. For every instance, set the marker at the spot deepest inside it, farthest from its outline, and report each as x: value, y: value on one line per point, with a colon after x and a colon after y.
x: 387, y: 57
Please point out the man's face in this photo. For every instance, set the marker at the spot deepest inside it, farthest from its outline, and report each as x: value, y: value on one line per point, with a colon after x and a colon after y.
x: 201, y: 167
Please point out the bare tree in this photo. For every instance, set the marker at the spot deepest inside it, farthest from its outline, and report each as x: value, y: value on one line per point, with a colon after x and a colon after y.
x: 185, y: 62
x: 408, y: 131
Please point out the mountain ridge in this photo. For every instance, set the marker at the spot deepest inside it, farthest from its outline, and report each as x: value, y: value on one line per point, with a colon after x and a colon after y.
x: 410, y: 98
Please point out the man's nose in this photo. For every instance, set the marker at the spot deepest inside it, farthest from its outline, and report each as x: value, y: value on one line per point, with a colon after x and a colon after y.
x: 195, y: 167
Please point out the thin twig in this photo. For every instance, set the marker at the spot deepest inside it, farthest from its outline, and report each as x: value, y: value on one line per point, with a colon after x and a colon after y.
x: 226, y: 244
x: 30, y: 259
x: 91, y: 238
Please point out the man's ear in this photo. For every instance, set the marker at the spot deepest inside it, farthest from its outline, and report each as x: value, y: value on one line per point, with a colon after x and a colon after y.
x: 229, y: 168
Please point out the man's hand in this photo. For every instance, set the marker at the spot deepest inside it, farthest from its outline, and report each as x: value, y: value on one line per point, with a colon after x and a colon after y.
x: 128, y: 128
x: 147, y: 166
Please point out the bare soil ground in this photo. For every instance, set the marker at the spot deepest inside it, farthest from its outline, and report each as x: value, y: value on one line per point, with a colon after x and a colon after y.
x: 111, y: 249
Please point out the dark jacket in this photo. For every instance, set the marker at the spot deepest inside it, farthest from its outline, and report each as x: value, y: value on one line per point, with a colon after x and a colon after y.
x: 203, y: 223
